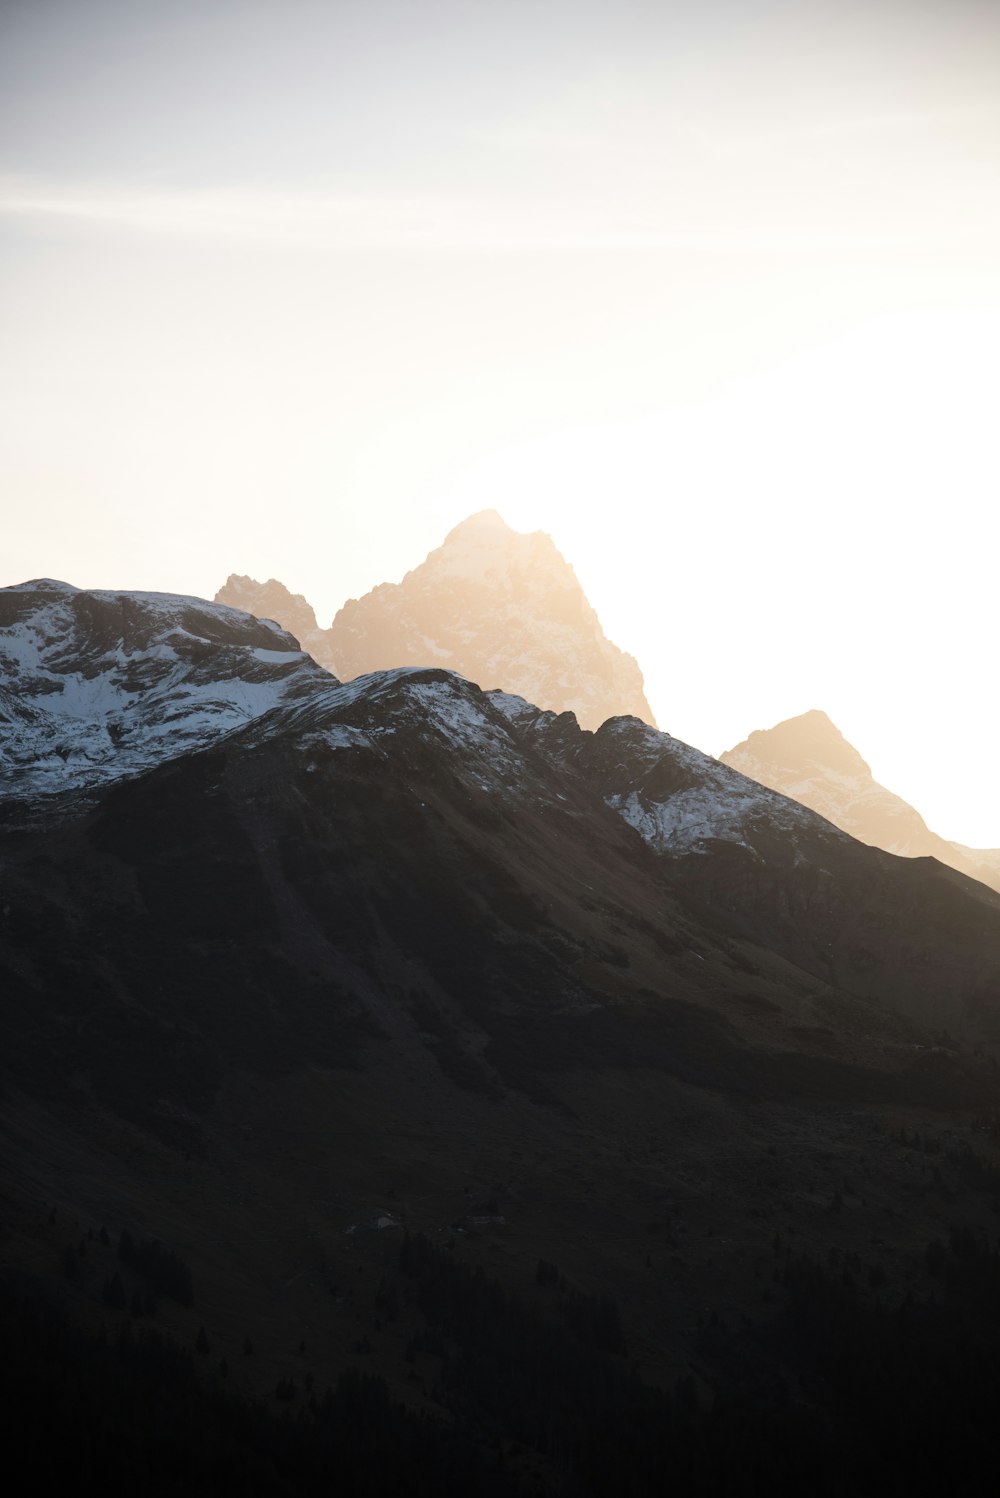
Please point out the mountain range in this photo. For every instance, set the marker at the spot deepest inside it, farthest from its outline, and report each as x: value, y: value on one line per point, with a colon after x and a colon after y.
x: 506, y: 609
x: 415, y: 1042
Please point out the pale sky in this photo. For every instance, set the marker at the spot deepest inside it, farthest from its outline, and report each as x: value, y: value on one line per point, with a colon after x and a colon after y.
x: 708, y: 291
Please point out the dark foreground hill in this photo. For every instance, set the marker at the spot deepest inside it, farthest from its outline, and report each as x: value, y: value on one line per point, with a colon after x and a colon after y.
x: 515, y: 1109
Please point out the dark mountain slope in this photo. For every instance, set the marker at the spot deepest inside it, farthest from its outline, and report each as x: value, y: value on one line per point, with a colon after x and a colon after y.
x: 403, y: 950
x: 408, y: 858
x: 912, y: 934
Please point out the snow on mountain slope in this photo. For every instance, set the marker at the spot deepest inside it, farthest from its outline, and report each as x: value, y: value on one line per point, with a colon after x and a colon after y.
x: 96, y: 685
x: 418, y: 770
x: 680, y: 800
x: 809, y: 759
x: 501, y: 608
x: 713, y: 806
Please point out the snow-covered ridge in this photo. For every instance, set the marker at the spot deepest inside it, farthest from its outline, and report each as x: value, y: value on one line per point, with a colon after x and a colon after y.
x: 95, y: 687
x: 97, y: 684
x: 683, y: 801
x: 442, y: 709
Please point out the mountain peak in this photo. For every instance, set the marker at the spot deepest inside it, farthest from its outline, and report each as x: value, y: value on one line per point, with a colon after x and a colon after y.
x: 272, y: 600
x: 42, y: 585
x: 485, y: 525
x: 503, y: 608
x: 799, y: 745
x: 809, y: 759
x: 815, y: 715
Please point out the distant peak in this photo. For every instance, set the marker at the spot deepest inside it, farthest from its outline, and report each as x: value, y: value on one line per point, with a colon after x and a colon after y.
x: 239, y: 581
x: 42, y: 585
x: 809, y: 737
x: 816, y: 723
x: 817, y: 716
x: 485, y: 524
x: 239, y: 590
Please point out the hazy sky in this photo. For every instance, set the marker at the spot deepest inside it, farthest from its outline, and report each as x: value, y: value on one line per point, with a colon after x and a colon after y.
x: 709, y: 291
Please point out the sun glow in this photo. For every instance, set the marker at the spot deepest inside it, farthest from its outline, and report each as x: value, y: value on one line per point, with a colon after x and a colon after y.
x: 798, y: 538
x: 715, y: 305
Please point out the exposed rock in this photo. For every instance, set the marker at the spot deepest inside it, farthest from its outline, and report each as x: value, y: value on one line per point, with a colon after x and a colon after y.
x: 502, y: 608
x: 505, y: 610
x: 272, y: 600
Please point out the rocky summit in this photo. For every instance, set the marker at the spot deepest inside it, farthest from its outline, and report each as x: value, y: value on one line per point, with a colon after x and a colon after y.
x: 272, y: 600
x: 502, y: 608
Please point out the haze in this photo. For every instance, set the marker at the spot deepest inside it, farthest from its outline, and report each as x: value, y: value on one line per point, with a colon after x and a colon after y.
x: 710, y: 293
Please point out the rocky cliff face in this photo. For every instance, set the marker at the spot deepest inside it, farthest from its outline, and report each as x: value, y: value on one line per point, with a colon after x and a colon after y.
x: 501, y: 608
x: 809, y: 759
x: 272, y: 600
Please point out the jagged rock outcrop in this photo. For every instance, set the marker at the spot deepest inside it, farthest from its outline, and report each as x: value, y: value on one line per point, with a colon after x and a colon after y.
x: 272, y: 600
x: 502, y: 608
x: 809, y: 759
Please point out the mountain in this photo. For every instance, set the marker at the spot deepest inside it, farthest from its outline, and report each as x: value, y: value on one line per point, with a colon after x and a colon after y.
x: 405, y: 1052
x: 94, y: 685
x: 272, y: 600
x: 502, y: 608
x: 809, y: 759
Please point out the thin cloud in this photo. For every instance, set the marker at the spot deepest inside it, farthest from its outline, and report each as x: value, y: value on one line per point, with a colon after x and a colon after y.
x: 310, y: 220
x: 887, y: 129
x: 278, y: 218
x: 462, y: 223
